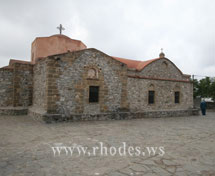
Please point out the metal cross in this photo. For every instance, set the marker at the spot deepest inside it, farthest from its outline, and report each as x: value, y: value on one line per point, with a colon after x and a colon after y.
x: 162, y: 50
x: 60, y: 28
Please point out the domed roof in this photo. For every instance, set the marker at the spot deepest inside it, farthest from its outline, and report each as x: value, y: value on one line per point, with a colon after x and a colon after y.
x: 54, y: 44
x: 61, y: 35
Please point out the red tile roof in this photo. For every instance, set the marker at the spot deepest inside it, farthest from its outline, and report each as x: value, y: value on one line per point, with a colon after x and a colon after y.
x: 138, y: 65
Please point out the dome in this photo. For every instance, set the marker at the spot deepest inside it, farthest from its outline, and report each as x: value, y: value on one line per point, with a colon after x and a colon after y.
x: 55, y: 44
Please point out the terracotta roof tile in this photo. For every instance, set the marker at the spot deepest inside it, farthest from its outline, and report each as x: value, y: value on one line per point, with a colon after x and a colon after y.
x: 138, y: 65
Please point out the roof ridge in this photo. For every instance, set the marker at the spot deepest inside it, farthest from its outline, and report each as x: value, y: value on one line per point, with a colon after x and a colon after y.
x: 137, y: 64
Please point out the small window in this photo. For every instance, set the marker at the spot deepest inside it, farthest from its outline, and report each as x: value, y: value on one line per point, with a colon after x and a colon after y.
x: 94, y: 94
x: 177, y: 97
x: 151, y: 97
x: 164, y: 64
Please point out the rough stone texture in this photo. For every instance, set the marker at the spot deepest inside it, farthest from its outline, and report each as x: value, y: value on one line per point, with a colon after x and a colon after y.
x: 16, y: 85
x: 60, y: 85
x: 69, y: 83
x: 164, y: 78
x: 196, y: 102
x: 36, y: 113
x: 22, y: 84
x: 39, y: 86
x: 162, y: 68
x: 6, y: 87
x: 13, y: 110
x: 51, y: 86
x: 211, y: 105
x: 50, y: 118
x: 164, y: 95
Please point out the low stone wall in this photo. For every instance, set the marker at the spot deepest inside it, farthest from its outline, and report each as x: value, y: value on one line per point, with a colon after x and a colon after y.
x: 211, y: 105
x: 49, y: 118
x: 13, y: 111
x: 196, y: 102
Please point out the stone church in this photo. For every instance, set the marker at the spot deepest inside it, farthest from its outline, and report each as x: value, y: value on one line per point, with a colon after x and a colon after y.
x: 65, y: 80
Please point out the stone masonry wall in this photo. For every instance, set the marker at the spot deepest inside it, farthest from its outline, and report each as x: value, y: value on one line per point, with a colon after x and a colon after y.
x: 50, y: 118
x: 68, y: 83
x: 61, y: 87
x: 6, y: 87
x: 164, y: 78
x: 22, y: 86
x: 164, y: 95
x: 39, y: 86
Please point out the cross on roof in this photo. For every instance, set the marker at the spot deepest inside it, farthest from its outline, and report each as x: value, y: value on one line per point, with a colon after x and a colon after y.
x: 60, y: 27
x: 162, y: 50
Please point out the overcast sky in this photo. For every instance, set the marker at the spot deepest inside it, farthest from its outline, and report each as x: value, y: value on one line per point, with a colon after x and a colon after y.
x: 133, y: 29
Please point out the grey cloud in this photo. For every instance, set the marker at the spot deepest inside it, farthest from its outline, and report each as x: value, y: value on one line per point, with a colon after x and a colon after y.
x: 132, y: 29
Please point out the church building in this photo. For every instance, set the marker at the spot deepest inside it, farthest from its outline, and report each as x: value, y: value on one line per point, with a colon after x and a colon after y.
x: 65, y: 80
